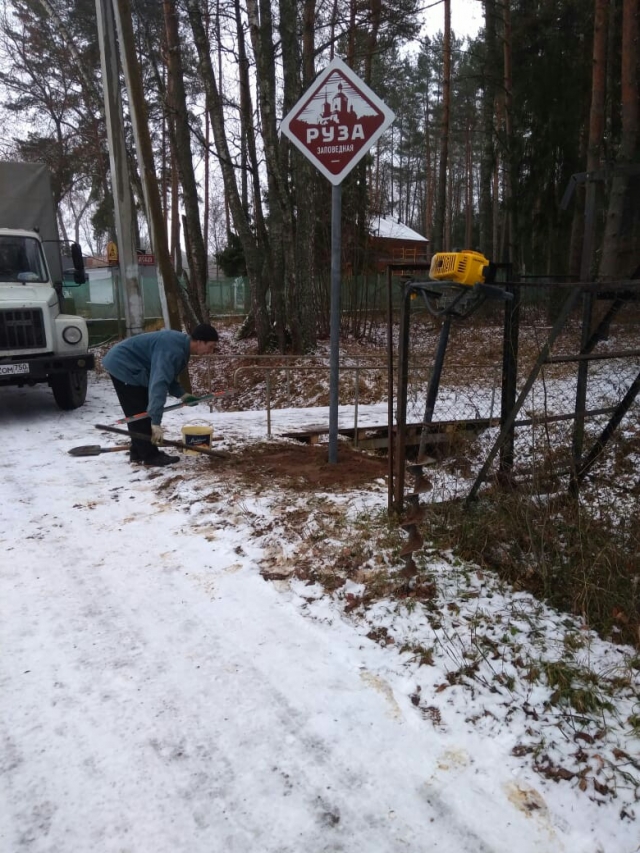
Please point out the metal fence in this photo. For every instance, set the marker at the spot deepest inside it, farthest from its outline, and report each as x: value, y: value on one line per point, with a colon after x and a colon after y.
x: 486, y: 368
x: 555, y: 374
x: 100, y: 300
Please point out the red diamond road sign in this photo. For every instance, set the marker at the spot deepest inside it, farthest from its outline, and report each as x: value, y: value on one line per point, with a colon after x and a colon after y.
x: 336, y: 121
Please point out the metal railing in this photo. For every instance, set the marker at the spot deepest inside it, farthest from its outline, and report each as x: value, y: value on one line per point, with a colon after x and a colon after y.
x: 291, y: 363
x: 271, y: 364
x: 269, y: 370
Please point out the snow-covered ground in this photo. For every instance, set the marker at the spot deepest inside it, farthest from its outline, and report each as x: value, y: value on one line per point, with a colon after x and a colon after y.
x: 157, y: 695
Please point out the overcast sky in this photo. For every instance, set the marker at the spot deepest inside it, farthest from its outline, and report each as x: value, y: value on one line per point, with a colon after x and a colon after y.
x: 466, y: 17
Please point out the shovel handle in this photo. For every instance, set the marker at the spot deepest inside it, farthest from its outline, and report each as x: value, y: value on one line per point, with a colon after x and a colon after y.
x: 216, y: 454
x: 173, y: 406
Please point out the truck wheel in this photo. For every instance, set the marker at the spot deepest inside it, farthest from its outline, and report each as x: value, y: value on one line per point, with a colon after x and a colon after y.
x: 70, y: 389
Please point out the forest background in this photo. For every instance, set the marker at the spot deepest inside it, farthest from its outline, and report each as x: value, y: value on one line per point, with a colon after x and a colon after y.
x: 500, y: 141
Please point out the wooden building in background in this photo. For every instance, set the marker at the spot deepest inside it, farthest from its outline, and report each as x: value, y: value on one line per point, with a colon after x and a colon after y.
x: 391, y: 241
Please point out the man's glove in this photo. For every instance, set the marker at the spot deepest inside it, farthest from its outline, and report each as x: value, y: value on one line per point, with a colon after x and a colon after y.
x: 189, y: 399
x: 157, y: 435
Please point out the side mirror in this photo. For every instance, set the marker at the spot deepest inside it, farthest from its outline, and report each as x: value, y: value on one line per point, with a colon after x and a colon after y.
x: 79, y: 275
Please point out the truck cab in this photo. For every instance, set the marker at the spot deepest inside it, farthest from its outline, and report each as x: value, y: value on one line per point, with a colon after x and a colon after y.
x: 39, y: 343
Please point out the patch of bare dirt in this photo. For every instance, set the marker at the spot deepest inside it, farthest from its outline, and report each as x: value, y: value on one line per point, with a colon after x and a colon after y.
x: 305, y: 467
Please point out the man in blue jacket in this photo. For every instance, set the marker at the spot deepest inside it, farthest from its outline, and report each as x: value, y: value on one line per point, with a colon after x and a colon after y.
x: 144, y: 369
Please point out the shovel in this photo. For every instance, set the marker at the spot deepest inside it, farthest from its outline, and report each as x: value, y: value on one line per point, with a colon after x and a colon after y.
x: 96, y: 450
x: 216, y: 454
x: 142, y: 415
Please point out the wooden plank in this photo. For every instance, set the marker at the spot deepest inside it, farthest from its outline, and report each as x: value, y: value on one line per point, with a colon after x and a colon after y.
x: 376, y: 437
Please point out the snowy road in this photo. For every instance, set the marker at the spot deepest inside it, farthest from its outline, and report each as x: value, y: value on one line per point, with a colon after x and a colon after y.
x: 157, y: 695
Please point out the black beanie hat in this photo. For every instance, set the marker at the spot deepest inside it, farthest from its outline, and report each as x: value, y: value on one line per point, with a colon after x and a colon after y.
x: 204, y: 332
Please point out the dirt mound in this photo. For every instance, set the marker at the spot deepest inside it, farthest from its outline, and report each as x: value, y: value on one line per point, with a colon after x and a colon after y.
x: 307, y: 467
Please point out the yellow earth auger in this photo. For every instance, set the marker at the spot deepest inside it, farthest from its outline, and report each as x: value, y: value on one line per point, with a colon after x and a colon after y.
x: 460, y: 282
x: 465, y: 281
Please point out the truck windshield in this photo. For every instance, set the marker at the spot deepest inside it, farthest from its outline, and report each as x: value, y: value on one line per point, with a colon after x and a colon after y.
x: 21, y: 259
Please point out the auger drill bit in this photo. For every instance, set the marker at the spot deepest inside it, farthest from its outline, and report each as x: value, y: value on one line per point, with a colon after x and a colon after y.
x: 413, y: 543
x: 422, y: 484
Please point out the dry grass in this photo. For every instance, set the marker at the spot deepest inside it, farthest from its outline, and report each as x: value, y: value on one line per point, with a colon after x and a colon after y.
x: 559, y: 549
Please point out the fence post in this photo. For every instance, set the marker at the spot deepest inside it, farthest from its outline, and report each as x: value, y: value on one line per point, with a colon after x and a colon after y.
x: 355, y: 414
x: 509, y: 372
x: 268, y: 402
x: 403, y: 378
x: 390, y: 451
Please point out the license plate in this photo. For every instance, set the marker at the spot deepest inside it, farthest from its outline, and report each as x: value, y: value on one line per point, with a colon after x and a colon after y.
x: 13, y: 369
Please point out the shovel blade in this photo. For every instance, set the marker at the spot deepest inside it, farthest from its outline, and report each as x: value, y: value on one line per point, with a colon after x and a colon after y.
x: 86, y: 450
x: 95, y: 450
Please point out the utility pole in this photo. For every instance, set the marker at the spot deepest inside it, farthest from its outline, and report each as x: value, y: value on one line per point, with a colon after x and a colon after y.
x: 120, y: 181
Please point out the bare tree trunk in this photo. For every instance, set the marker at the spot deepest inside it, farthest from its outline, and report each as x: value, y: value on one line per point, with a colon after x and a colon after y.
x: 351, y: 38
x: 441, y: 202
x: 358, y: 186
x: 430, y: 189
x: 596, y: 131
x: 594, y: 150
x: 163, y: 162
x: 620, y: 246
x: 252, y: 253
x: 508, y: 165
x: 304, y: 178
x: 577, y: 221
x: 176, y: 249
x: 207, y: 157
x: 251, y: 198
x: 179, y: 126
x: 332, y: 29
x: 372, y: 38
x: 286, y: 301
x: 487, y: 163
x: 468, y: 215
x: 281, y: 243
x: 494, y: 250
x: 218, y: 34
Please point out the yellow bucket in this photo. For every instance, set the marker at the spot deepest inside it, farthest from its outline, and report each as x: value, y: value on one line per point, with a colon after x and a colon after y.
x: 196, y: 435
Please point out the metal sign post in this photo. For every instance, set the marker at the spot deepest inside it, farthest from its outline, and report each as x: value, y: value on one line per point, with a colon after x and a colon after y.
x: 334, y: 124
x: 334, y: 340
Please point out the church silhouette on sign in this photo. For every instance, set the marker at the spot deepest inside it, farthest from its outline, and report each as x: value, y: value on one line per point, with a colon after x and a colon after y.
x: 339, y: 111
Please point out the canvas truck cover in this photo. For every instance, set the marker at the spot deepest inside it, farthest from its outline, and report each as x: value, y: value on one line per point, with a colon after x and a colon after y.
x: 26, y: 202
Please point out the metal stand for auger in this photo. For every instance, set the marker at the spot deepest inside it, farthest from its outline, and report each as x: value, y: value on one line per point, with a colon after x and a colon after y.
x: 449, y: 302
